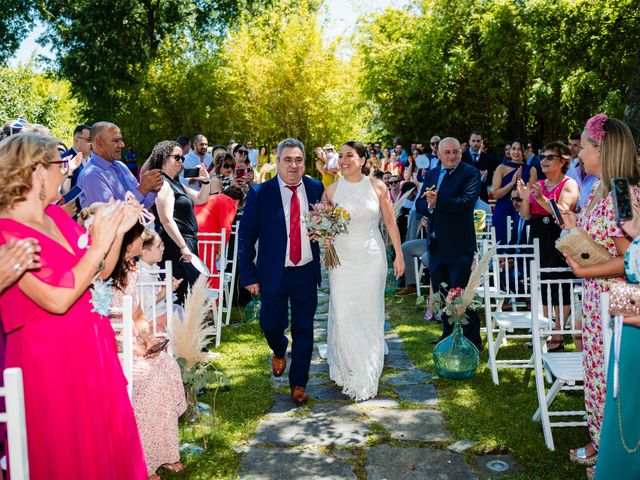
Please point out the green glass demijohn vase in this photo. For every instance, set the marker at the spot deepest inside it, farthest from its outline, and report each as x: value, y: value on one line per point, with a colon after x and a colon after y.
x: 253, y: 309
x: 455, y: 356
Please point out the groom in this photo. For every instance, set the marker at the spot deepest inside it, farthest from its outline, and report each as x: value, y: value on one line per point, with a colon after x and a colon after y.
x: 287, y: 270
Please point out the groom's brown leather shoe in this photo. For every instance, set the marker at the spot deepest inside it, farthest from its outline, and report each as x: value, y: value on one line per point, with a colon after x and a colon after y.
x: 298, y: 395
x: 278, y: 364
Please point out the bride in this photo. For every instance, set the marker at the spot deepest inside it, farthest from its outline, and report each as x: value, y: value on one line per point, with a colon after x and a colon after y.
x: 355, y: 337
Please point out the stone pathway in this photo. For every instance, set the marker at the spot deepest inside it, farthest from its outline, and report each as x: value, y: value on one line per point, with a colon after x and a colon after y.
x: 398, y: 435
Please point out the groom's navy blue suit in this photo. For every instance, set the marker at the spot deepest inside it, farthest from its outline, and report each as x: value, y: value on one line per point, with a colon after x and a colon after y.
x: 452, y: 233
x: 263, y: 221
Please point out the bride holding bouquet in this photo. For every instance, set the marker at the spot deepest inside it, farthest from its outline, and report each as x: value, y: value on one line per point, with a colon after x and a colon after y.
x: 355, y: 337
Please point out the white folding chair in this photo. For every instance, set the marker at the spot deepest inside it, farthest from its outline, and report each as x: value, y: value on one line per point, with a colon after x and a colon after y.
x: 509, y: 280
x: 126, y: 327
x: 565, y: 369
x: 488, y: 236
x: 14, y: 417
x: 418, y: 267
x: 489, y: 220
x: 213, y: 248
x: 148, y: 291
x: 229, y: 278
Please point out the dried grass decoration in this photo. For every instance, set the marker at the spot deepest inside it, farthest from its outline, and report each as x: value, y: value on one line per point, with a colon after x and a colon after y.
x: 326, y: 220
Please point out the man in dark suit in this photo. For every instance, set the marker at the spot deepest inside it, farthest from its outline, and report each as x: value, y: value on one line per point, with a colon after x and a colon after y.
x: 484, y: 162
x: 447, y: 198
x: 81, y: 146
x: 287, y: 269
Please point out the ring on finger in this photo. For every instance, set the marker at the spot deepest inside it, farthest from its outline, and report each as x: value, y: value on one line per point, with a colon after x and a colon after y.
x: 17, y: 267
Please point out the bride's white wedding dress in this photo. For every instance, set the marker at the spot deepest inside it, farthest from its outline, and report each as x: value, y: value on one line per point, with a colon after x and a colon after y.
x: 355, y: 336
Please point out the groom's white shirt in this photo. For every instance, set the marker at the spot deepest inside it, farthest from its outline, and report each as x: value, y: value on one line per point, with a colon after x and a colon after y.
x: 286, y: 194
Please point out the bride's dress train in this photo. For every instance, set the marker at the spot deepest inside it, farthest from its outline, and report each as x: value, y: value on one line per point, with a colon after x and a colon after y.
x: 355, y: 337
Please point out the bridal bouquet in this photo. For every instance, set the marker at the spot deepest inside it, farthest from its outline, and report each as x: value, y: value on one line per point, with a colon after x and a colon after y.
x: 326, y: 219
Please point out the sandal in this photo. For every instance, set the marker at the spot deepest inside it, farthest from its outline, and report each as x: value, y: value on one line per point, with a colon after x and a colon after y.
x: 580, y: 456
x: 173, y: 467
x: 554, y: 345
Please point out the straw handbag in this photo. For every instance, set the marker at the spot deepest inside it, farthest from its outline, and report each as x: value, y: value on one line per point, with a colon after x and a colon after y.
x: 582, y: 249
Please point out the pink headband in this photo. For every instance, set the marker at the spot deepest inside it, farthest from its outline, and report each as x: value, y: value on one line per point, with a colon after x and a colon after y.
x: 595, y: 126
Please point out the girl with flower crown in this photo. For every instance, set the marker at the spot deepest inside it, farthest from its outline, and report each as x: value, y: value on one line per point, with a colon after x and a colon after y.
x: 608, y: 152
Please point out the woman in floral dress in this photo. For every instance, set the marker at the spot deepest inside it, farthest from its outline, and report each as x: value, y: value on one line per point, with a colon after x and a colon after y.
x: 608, y: 152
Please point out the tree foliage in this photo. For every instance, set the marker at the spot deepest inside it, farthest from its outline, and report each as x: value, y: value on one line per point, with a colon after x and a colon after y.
x: 536, y: 68
x: 14, y: 26
x: 38, y: 98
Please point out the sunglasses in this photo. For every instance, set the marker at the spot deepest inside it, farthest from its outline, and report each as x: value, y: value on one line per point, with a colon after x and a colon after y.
x: 549, y: 157
x: 243, y: 152
x: 516, y: 199
x: 435, y: 143
x: 393, y: 182
x: 179, y: 158
x: 228, y: 165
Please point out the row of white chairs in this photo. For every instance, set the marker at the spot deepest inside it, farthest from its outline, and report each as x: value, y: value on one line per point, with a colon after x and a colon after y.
x: 515, y: 277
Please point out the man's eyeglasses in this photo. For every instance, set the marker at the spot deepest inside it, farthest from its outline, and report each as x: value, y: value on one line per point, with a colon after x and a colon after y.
x: 549, y: 157
x: 86, y: 139
x: 64, y: 165
x: 179, y: 158
x: 516, y: 199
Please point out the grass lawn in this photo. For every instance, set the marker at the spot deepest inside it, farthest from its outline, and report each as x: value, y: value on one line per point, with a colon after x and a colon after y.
x: 238, y: 409
x: 497, y: 417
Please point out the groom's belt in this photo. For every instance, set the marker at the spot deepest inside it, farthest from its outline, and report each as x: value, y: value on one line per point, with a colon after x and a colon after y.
x: 295, y: 267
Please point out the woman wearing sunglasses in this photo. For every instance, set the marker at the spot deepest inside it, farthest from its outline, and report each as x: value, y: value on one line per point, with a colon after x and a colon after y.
x: 174, y: 209
x: 537, y: 210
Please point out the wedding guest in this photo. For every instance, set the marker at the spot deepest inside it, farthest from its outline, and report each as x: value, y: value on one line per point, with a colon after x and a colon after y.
x: 584, y: 180
x: 243, y: 173
x: 355, y: 337
x: 64, y: 347
x: 263, y: 157
x: 154, y: 302
x: 536, y: 209
x: 507, y: 152
x: 394, y: 188
x: 621, y: 425
x: 198, y: 156
x: 447, y: 198
x: 174, y: 209
x: 158, y: 394
x: 222, y: 178
x: 608, y: 151
x: 505, y: 180
x: 105, y: 176
x: 483, y: 161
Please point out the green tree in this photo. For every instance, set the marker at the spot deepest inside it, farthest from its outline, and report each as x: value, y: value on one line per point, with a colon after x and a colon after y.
x: 14, y: 26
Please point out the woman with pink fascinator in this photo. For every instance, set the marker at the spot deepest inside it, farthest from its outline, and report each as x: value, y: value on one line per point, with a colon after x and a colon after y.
x: 608, y: 152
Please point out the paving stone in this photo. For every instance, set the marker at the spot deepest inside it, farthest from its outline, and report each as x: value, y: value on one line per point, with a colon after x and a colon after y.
x: 327, y: 424
x: 281, y: 463
x: 316, y: 368
x: 423, y: 425
x: 461, y: 446
x: 326, y: 392
x: 379, y: 402
x: 498, y: 462
x: 318, y: 381
x: 424, y: 394
x: 398, y: 362
x: 283, y: 406
x: 415, y: 463
x: 408, y: 377
x: 344, y: 454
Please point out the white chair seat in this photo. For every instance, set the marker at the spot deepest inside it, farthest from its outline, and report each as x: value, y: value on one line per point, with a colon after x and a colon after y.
x: 520, y: 320
x: 565, y: 366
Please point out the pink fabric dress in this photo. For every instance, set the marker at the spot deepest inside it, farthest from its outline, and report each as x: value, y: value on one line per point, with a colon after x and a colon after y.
x: 80, y: 424
x: 158, y: 395
x: 601, y: 225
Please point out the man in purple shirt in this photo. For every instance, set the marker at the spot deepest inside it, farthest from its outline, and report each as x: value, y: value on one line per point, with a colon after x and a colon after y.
x: 105, y: 176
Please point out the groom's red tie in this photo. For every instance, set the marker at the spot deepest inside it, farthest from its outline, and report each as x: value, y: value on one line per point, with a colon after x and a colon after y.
x: 295, y: 247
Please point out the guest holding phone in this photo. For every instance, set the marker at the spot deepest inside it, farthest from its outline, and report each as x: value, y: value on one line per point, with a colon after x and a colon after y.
x: 174, y: 209
x: 608, y: 151
x: 158, y: 394
x: 243, y: 175
x: 537, y: 209
x: 223, y: 167
x: 80, y: 423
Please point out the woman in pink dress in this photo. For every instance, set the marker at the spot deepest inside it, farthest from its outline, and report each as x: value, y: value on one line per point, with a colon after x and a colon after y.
x: 80, y: 423
x: 158, y: 393
x: 608, y: 151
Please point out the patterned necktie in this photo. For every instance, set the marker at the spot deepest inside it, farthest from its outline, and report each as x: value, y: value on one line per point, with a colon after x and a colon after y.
x: 295, y: 245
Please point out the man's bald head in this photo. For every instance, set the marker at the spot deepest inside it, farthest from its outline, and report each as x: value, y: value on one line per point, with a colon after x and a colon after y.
x: 107, y: 140
x: 449, y: 152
